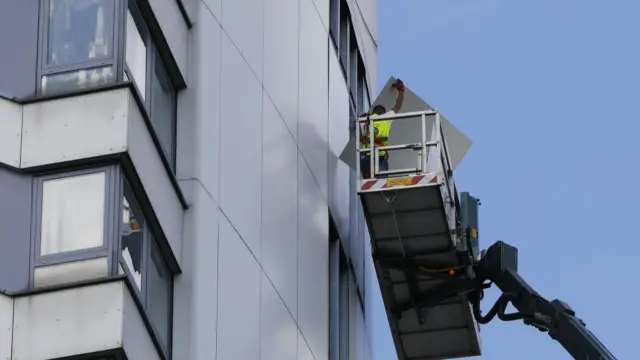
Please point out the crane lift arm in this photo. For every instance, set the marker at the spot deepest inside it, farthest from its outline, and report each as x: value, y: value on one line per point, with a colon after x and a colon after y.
x: 499, y: 265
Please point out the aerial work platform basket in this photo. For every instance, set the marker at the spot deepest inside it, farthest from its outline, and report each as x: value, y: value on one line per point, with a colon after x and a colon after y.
x: 413, y: 214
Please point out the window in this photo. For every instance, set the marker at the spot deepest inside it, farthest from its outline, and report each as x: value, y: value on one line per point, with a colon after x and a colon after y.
x: 338, y: 298
x: 163, y: 110
x: 131, y: 245
x: 145, y: 69
x: 78, y: 42
x: 72, y: 213
x: 334, y: 21
x: 354, y: 57
x: 146, y: 268
x: 345, y: 36
x: 363, y: 102
x: 159, y: 295
x: 72, y: 226
x: 344, y: 39
x: 136, y: 53
x: 87, y: 224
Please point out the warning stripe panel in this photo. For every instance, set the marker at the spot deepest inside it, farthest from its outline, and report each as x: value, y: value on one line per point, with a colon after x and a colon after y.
x: 398, y: 182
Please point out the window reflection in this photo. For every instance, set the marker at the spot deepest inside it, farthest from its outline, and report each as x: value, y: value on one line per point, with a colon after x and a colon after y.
x: 136, y: 53
x: 163, y: 111
x: 72, y: 213
x: 158, y: 295
x: 79, y: 79
x: 79, y: 31
x: 132, y: 237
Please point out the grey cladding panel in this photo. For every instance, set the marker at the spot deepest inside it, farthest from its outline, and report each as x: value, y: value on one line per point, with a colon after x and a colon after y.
x: 15, y: 217
x: 18, y: 47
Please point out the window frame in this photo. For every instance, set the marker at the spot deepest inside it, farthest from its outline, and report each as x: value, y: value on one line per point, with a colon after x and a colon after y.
x: 149, y: 242
x: 172, y: 153
x: 145, y: 35
x: 105, y: 250
x: 45, y: 69
x: 339, y: 296
x: 153, y: 61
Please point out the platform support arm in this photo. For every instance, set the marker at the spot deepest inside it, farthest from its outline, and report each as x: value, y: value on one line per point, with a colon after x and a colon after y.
x: 499, y: 265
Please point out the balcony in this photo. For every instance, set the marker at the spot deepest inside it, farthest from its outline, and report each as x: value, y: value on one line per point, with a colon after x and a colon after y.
x: 104, y: 203
x: 102, y: 126
x: 102, y: 319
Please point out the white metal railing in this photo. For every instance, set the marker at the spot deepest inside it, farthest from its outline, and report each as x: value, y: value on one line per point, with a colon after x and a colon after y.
x: 427, y: 161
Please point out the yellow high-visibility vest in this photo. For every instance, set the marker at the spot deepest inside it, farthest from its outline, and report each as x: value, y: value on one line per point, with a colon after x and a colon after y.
x: 381, y: 132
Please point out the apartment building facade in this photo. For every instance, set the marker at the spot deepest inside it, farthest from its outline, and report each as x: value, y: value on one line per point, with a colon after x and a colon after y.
x: 170, y: 180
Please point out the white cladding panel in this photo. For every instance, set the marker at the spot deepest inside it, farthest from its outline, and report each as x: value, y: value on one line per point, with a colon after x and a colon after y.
x: 64, y: 323
x: 198, y: 145
x: 279, y: 331
x: 195, y: 290
x: 281, y: 58
x: 74, y: 128
x: 339, y: 109
x: 6, y: 326
x: 241, y: 145
x: 153, y: 175
x: 10, y: 133
x: 174, y: 28
x: 137, y: 343
x: 239, y: 280
x: 313, y: 260
x: 313, y: 93
x: 243, y: 22
x: 70, y: 272
x: 279, y: 206
x: 256, y: 141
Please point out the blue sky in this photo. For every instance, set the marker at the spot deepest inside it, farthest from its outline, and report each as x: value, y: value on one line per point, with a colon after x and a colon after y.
x: 548, y: 91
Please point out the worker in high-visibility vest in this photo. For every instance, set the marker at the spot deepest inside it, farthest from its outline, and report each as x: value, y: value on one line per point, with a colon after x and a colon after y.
x: 381, y: 132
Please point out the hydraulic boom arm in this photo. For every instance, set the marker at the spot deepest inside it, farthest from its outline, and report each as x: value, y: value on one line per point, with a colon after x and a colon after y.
x: 499, y: 265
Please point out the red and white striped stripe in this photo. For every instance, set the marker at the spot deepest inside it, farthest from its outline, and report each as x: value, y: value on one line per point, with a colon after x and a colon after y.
x: 416, y: 180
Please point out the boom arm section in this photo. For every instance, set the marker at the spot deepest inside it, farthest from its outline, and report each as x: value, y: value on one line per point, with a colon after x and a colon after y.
x: 499, y: 265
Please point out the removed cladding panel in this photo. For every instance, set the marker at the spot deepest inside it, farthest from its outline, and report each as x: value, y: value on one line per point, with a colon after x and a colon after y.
x: 401, y: 131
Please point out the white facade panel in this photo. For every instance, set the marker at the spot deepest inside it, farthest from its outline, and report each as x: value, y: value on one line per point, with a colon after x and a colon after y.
x: 243, y: 21
x: 153, y: 175
x: 63, y: 323
x: 136, y: 342
x: 239, y: 280
x: 199, y: 108
x: 6, y: 327
x: 174, y: 29
x: 10, y: 133
x: 279, y: 206
x: 322, y: 7
x: 313, y: 101
x: 304, y: 353
x: 214, y: 7
x: 241, y: 145
x: 281, y: 58
x: 195, y: 290
x: 313, y: 260
x: 369, y: 11
x: 279, y: 333
x: 74, y: 128
x: 339, y: 108
x: 70, y: 272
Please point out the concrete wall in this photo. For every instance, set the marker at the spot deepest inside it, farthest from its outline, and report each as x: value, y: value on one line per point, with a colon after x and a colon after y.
x: 260, y: 127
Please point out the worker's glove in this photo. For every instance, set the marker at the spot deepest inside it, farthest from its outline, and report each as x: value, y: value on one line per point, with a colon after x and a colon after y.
x: 399, y: 85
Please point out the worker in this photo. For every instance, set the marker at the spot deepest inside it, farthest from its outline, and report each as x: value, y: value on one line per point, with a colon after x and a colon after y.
x: 381, y: 132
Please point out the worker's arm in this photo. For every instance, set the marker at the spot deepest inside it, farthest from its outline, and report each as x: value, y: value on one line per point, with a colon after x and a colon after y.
x: 398, y: 85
